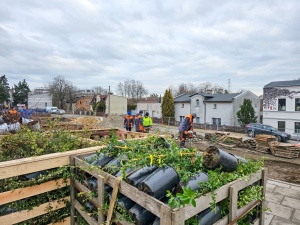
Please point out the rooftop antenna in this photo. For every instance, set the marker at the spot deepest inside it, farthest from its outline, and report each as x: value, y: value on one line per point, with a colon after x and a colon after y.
x: 229, y: 86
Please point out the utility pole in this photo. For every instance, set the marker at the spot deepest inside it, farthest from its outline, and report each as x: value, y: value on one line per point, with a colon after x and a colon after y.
x: 109, y: 100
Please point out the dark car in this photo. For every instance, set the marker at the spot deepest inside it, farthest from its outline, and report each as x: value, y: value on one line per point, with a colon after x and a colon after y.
x: 253, y: 129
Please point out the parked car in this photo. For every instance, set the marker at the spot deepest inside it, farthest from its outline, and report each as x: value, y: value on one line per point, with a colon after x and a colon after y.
x: 51, y: 109
x: 253, y: 129
x: 60, y: 111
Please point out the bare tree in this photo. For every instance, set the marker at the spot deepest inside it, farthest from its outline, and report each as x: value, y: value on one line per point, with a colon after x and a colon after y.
x: 71, y: 94
x: 60, y: 88
x: 100, y: 90
x: 131, y: 89
x: 183, y: 88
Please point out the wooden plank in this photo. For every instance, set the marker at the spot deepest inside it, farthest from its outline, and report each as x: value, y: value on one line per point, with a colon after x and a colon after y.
x: 89, y: 219
x: 72, y: 191
x: 66, y: 221
x: 113, y: 200
x: 38, y: 163
x: 21, y: 193
x: 18, y: 217
x: 165, y: 215
x: 202, y: 202
x: 100, y: 198
x: 233, y: 206
x: 263, y: 204
x: 178, y: 216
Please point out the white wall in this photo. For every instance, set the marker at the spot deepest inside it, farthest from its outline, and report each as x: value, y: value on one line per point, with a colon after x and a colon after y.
x: 223, y: 111
x: 116, y: 104
x: 154, y: 108
x: 39, y: 101
x: 179, y: 111
x: 238, y: 101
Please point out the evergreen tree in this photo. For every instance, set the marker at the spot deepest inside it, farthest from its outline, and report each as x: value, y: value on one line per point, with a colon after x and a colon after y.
x: 167, y: 106
x: 4, y: 90
x: 246, y: 114
x: 21, y: 92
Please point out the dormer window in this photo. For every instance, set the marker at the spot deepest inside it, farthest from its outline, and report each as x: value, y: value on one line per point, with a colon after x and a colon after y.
x: 215, y: 106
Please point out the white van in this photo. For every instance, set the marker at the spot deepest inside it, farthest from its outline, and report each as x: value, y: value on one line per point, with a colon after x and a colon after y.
x: 51, y: 109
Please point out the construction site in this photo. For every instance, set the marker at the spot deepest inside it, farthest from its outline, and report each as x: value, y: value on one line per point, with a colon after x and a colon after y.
x: 87, y: 174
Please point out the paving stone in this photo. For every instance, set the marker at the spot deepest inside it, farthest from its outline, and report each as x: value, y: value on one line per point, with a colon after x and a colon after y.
x: 281, y: 221
x: 274, y: 197
x: 279, y: 210
x: 270, y: 187
x: 287, y: 192
x: 278, y: 183
x: 296, y: 217
x: 268, y: 218
x: 295, y: 187
x: 291, y: 202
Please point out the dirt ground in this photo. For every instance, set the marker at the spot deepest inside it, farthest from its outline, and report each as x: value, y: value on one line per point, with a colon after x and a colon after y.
x: 278, y: 168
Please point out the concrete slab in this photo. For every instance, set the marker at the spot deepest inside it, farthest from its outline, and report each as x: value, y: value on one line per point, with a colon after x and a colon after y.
x: 287, y: 192
x: 281, y: 221
x: 279, y: 183
x: 274, y: 197
x: 291, y: 202
x: 296, y: 217
x: 295, y: 187
x: 268, y: 218
x: 280, y: 211
x: 270, y: 187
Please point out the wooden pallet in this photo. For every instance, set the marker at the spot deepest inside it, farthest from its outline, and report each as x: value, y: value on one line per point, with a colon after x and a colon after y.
x: 285, y: 150
x: 167, y: 215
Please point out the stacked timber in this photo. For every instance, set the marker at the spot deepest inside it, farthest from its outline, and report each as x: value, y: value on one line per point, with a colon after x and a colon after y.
x: 263, y: 141
x: 285, y: 150
x: 209, y: 136
x: 249, y: 143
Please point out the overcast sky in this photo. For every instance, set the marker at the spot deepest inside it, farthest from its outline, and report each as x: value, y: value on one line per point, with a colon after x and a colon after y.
x: 157, y: 42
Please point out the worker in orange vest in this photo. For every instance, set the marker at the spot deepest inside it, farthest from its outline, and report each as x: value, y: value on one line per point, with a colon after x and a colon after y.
x: 128, y: 121
x: 13, y: 111
x: 138, y: 120
x: 186, y: 128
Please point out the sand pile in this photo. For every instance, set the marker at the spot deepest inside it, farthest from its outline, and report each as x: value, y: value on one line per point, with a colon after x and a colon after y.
x: 92, y: 122
x: 88, y: 122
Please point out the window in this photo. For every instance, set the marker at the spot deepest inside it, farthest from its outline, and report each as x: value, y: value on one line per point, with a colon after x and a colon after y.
x: 215, y: 106
x: 87, y: 102
x: 197, y: 119
x: 297, y: 104
x: 281, y: 104
x: 181, y: 118
x: 182, y: 105
x: 297, y: 127
x: 45, y: 104
x: 281, y: 126
x: 197, y: 103
x: 216, y: 121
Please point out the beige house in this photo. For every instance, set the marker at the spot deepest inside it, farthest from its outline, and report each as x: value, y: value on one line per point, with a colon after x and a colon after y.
x: 114, y: 104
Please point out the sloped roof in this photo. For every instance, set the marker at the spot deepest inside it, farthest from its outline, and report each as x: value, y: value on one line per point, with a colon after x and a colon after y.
x: 286, y: 83
x: 220, y: 97
x: 183, y: 98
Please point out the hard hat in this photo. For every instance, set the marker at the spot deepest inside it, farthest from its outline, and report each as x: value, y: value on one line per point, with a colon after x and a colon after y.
x: 194, y: 115
x: 141, y: 111
x: 129, y: 113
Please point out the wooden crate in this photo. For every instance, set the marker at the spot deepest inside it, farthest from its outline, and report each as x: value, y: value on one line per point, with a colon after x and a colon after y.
x: 285, y: 150
x: 167, y: 215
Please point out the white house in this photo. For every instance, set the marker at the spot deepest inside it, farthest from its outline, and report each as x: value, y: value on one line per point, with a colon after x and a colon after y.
x: 218, y: 109
x: 151, y: 106
x: 40, y: 101
x: 281, y: 106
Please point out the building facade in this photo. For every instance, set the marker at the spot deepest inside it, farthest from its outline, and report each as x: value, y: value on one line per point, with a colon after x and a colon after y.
x: 217, y: 109
x: 40, y: 101
x: 281, y: 106
x: 150, y: 106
